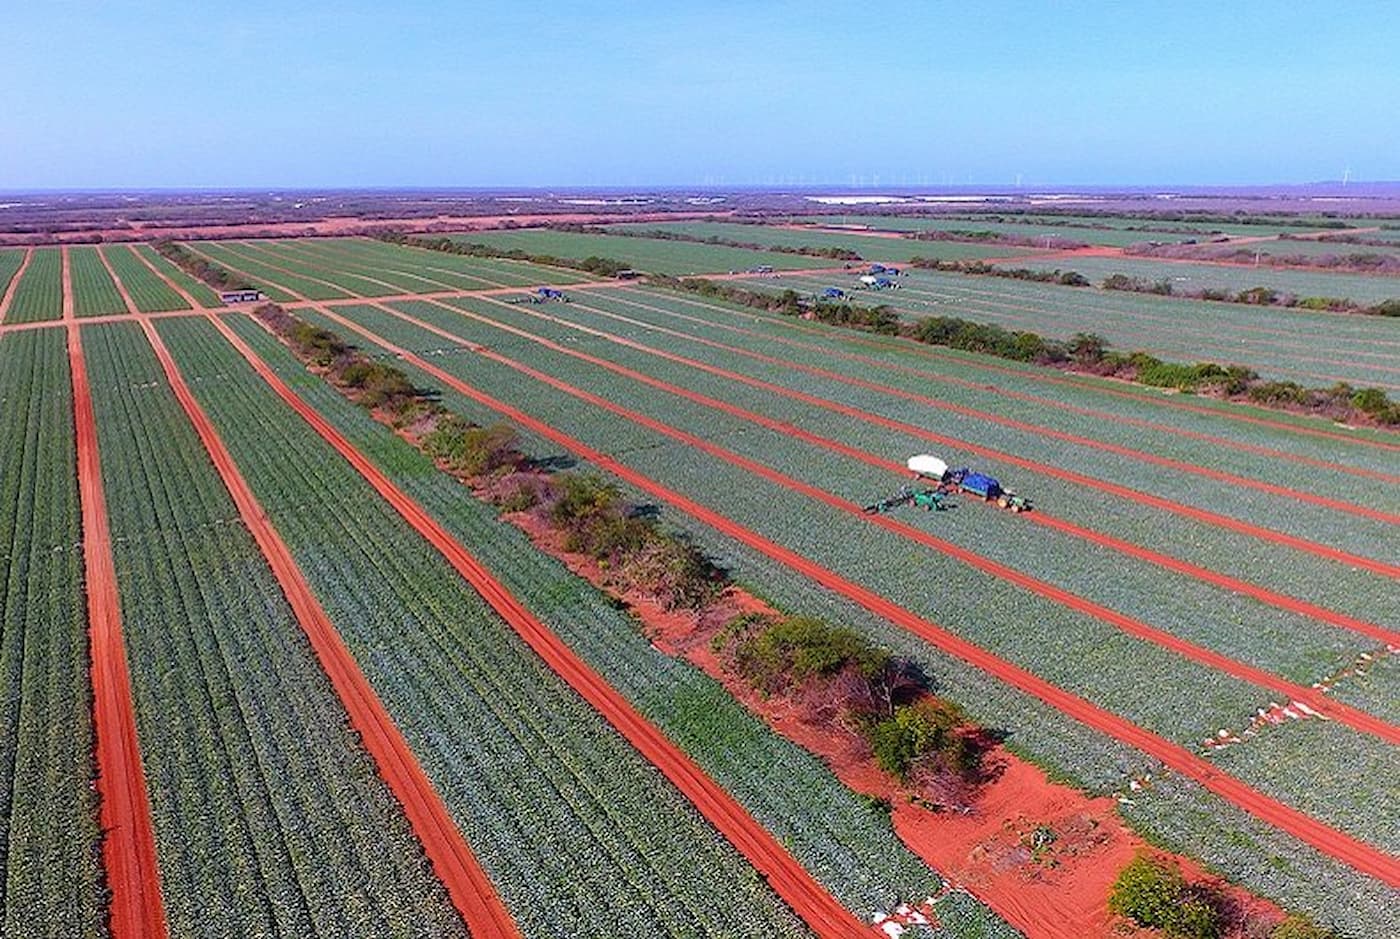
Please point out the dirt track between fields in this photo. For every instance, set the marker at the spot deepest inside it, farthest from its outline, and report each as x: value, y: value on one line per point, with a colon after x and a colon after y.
x: 1038, y: 516
x: 1363, y: 857
x: 135, y: 910
x: 467, y: 884
x: 784, y: 874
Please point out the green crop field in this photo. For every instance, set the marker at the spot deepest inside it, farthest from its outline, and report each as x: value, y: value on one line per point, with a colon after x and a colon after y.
x: 661, y: 257
x: 795, y: 796
x: 94, y: 291
x: 197, y: 289
x: 49, y: 830
x: 1104, y: 230
x: 1194, y: 619
x: 10, y: 261
x: 1187, y: 276
x: 968, y: 599
x: 543, y: 762
x: 147, y: 290
x: 1284, y: 343
x: 39, y: 294
x: 867, y: 246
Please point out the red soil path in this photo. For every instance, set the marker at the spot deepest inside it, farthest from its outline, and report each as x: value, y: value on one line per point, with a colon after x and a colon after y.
x: 1038, y: 516
x: 128, y: 844
x: 67, y: 286
x: 14, y: 283
x: 927, y: 375
x: 117, y: 281
x: 1232, y: 479
x: 471, y: 890
x: 784, y: 874
x: 169, y: 282
x: 1363, y: 857
x: 1345, y: 714
x: 1080, y: 479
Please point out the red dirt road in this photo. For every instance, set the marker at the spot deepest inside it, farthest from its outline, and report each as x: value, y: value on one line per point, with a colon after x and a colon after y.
x: 1356, y: 719
x: 128, y: 844
x: 1179, y: 508
x: 1363, y: 857
x: 826, y: 917
x: 67, y: 286
x: 1039, y: 516
x: 471, y: 890
x: 14, y: 282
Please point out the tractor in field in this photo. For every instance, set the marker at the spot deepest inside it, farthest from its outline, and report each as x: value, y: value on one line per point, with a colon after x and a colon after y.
x: 542, y: 295
x: 930, y: 500
x: 987, y: 488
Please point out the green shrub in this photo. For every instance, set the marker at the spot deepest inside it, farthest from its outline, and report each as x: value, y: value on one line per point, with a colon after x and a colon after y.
x: 472, y: 450
x: 916, y: 731
x: 1153, y: 893
x: 790, y: 651
x: 1297, y: 926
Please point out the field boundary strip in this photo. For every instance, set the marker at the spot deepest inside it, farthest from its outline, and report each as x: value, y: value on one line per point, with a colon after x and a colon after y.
x: 1016, y: 395
x: 1079, y: 479
x: 793, y: 882
x: 131, y: 306
x: 1342, y: 713
x: 67, y: 280
x: 1041, y: 375
x: 136, y: 909
x: 1038, y: 516
x: 1363, y: 857
x: 1016, y: 424
x: 13, y: 285
x: 471, y: 889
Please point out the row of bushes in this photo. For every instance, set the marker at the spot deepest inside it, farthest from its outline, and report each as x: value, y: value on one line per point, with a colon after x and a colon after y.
x: 1255, y: 296
x: 1083, y: 352
x: 983, y: 269
x: 1152, y: 892
x: 878, y: 319
x: 603, y: 267
x: 591, y: 514
x: 837, y: 676
x: 983, y: 236
x: 219, y: 278
x: 837, y: 254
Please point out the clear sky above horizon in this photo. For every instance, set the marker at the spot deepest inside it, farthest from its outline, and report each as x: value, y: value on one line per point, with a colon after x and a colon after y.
x: 262, y: 94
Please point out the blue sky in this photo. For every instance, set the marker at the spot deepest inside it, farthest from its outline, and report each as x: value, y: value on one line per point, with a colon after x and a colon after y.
x: 122, y: 94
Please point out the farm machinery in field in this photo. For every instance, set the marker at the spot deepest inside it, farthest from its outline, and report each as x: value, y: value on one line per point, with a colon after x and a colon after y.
x: 930, y: 500
x: 948, y: 482
x: 542, y: 295
x: 986, y: 488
